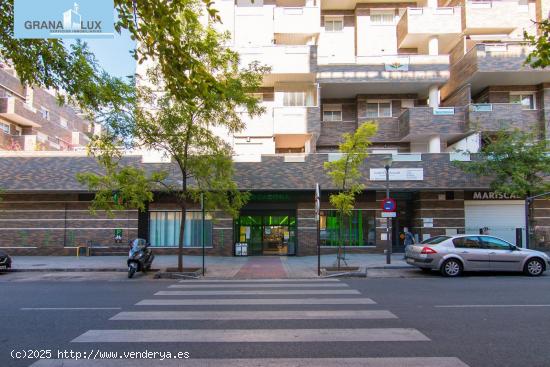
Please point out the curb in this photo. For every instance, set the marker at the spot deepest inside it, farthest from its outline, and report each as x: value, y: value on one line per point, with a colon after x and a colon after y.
x: 73, y: 270
x: 392, y: 267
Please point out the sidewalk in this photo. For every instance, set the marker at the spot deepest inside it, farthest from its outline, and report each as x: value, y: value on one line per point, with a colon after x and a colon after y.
x: 217, y: 267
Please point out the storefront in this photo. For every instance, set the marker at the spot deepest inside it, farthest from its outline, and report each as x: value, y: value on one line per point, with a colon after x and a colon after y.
x: 267, y: 232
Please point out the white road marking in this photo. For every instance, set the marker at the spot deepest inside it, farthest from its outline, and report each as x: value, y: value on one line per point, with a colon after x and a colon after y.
x: 254, y: 315
x: 485, y: 306
x: 271, y: 362
x: 250, y: 336
x: 256, y: 301
x: 312, y: 280
x: 260, y: 292
x: 261, y: 285
x: 68, y: 308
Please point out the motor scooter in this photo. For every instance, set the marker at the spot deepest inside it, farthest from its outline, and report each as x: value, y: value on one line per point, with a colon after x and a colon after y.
x: 140, y: 257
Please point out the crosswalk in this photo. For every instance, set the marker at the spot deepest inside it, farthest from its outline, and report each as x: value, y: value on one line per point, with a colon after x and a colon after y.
x: 234, y: 304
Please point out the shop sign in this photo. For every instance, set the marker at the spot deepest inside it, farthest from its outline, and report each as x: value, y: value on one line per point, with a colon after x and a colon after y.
x: 397, y: 174
x: 444, y: 111
x: 428, y: 222
x: 270, y: 196
x: 491, y: 195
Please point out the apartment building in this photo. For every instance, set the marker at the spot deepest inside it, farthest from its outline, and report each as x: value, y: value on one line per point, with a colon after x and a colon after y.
x: 32, y: 120
x: 437, y: 76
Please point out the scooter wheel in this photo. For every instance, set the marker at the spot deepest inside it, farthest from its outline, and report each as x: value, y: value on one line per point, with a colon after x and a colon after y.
x: 131, y: 271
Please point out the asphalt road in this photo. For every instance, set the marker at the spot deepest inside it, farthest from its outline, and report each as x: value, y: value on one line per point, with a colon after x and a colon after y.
x: 428, y: 321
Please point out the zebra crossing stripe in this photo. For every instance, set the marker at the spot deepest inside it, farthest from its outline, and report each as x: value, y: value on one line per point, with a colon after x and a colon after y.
x: 304, y: 280
x: 267, y: 362
x: 255, y: 301
x: 261, y: 285
x: 255, y: 315
x: 250, y: 336
x: 257, y: 292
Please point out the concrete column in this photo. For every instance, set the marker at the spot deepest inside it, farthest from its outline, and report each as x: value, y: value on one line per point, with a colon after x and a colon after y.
x: 434, y: 96
x: 434, y: 144
x: 433, y: 46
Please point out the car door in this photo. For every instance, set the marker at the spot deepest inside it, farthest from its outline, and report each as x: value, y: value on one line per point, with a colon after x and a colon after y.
x: 501, y: 254
x: 471, y: 250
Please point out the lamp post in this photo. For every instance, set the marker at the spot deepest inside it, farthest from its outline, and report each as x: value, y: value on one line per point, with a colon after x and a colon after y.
x: 388, y: 233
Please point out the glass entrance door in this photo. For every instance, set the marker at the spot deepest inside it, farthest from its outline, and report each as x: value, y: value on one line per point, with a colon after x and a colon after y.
x: 267, y: 234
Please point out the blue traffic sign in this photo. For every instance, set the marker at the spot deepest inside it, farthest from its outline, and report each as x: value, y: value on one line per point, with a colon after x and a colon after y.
x: 389, y: 205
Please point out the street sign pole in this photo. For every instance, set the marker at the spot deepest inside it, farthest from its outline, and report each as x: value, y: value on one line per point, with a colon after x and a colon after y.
x: 318, y: 220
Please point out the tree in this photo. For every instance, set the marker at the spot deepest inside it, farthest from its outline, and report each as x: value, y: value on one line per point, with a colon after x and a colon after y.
x: 179, y: 119
x: 516, y: 161
x: 540, y: 56
x: 346, y: 173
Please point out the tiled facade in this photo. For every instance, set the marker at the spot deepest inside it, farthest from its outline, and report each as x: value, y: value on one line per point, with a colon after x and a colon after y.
x: 435, y: 76
x: 32, y: 120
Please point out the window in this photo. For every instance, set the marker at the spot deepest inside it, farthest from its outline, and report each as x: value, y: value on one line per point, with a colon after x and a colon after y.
x: 493, y: 243
x: 332, y: 112
x: 45, y: 113
x: 164, y: 229
x: 526, y: 100
x: 63, y: 122
x: 385, y: 17
x: 298, y: 99
x: 334, y: 24
x: 434, y: 240
x: 359, y: 229
x: 5, y: 127
x: 378, y: 109
x: 467, y: 242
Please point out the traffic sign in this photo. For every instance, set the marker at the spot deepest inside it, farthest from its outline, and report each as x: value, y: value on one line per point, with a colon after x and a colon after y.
x: 389, y: 214
x: 389, y: 205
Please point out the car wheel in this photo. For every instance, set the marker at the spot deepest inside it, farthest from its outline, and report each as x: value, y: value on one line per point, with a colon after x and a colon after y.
x: 533, y: 267
x: 451, y: 268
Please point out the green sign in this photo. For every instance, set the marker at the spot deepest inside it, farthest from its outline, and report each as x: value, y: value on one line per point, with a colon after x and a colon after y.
x: 270, y: 196
x: 118, y: 232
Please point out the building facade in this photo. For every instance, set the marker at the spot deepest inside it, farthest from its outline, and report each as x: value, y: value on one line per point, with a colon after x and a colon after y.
x: 436, y: 76
x: 32, y: 120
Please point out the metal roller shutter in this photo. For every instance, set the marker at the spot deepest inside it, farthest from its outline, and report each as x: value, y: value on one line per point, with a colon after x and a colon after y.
x: 501, y: 217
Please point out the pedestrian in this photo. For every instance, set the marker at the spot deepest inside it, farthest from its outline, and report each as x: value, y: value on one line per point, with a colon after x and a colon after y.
x: 409, y: 238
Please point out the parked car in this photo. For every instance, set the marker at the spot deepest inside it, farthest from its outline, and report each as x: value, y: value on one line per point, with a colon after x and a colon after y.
x: 5, y: 260
x: 452, y: 255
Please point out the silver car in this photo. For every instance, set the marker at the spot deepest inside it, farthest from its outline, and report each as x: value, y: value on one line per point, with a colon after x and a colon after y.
x: 452, y: 255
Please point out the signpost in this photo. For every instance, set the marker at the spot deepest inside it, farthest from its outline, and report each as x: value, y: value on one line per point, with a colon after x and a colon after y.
x: 318, y: 220
x: 202, y: 234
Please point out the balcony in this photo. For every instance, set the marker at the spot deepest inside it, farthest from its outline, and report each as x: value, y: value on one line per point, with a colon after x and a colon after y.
x: 11, y: 142
x: 282, y: 59
x: 17, y: 111
x: 494, y: 16
x: 421, y: 122
x: 297, y: 20
x: 388, y: 74
x: 417, y: 25
x: 7, y: 80
x: 498, y: 116
x: 290, y: 120
x: 494, y: 64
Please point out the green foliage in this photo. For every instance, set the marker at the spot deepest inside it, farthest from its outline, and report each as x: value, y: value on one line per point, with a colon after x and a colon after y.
x: 345, y: 172
x: 516, y: 161
x: 540, y: 56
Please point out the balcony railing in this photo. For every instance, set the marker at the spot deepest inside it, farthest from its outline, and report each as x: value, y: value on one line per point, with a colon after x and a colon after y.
x: 495, y: 15
x: 17, y: 111
x: 300, y: 20
x: 285, y: 59
x: 498, y: 116
x: 424, y: 121
x: 290, y: 120
x: 417, y: 24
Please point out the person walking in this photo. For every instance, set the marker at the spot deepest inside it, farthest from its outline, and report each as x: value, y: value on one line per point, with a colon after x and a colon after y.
x: 409, y: 238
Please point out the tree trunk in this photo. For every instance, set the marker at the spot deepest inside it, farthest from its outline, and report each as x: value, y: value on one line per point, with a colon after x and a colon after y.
x: 181, y: 236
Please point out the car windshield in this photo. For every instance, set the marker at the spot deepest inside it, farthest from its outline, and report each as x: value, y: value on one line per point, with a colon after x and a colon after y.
x: 435, y: 240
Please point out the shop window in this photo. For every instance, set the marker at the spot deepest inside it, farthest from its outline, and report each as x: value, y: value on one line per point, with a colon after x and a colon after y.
x: 527, y: 100
x: 164, y: 229
x: 379, y: 109
x: 359, y: 229
x: 334, y: 24
x: 332, y: 112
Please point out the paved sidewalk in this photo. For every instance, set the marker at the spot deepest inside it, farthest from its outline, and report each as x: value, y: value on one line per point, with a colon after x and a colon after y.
x: 217, y: 267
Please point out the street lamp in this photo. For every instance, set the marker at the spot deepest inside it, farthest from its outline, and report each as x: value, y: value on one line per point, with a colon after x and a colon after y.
x: 388, y: 162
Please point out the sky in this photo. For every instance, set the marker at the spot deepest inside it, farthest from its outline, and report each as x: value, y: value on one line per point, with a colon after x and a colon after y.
x: 113, y: 55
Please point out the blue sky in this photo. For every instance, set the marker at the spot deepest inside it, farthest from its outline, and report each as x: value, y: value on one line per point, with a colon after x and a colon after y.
x: 114, y: 54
